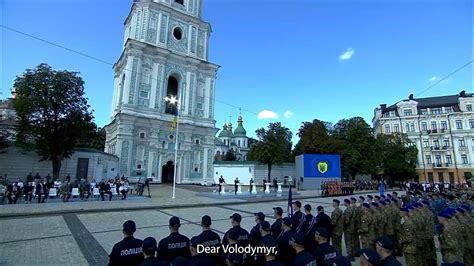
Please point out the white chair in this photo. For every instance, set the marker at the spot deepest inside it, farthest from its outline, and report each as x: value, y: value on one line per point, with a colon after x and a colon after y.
x: 114, y: 190
x: 53, y: 192
x: 95, y: 192
x: 75, y: 192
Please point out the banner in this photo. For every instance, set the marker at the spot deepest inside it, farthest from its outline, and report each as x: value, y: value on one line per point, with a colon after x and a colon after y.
x: 322, y: 166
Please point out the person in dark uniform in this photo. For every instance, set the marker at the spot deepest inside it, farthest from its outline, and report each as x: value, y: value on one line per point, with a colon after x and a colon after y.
x: 243, y: 235
x: 237, y: 258
x: 323, y: 220
x: 41, y: 192
x: 236, y: 185
x: 266, y: 237
x: 303, y: 257
x: 221, y: 181
x: 255, y: 236
x: 251, y: 185
x: 68, y: 178
x: 129, y: 250
x: 149, y: 250
x: 276, y: 226
x: 297, y: 216
x: 270, y: 257
x: 368, y: 257
x: 105, y: 189
x: 307, y: 229
x: 29, y: 178
x: 175, y: 245
x: 385, y: 247
x: 324, y: 251
x: 28, y: 192
x: 286, y: 253
x: 208, y: 238
x: 13, y: 193
x: 198, y: 259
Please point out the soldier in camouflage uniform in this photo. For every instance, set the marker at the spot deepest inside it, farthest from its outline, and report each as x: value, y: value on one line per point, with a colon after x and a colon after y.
x: 356, y: 221
x: 376, y: 221
x: 408, y: 238
x: 384, y: 219
x: 428, y: 239
x: 397, y: 226
x: 388, y: 214
x: 349, y: 228
x: 468, y: 223
x: 337, y: 226
x: 420, y: 232
x: 365, y: 230
x: 448, y: 239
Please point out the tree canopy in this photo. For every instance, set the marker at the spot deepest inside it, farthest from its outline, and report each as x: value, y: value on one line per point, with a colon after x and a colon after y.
x: 52, y: 112
x: 273, y: 146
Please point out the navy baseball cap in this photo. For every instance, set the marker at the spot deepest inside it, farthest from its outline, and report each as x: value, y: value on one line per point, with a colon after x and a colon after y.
x: 322, y: 232
x: 461, y: 210
x: 206, y: 220
x: 389, y: 195
x: 174, y: 221
x: 394, y: 200
x: 260, y: 216
x: 287, y: 221
x: 265, y: 226
x: 382, y: 202
x: 233, y: 234
x: 377, y: 196
x: 278, y: 210
x: 236, y: 217
x: 369, y: 255
x: 375, y: 204
x: 149, y: 244
x: 425, y: 202
x: 385, y: 242
x: 129, y: 226
x: 297, y: 203
x: 298, y: 239
x: 338, y: 261
x: 382, y: 196
x: 320, y: 208
x: 307, y: 207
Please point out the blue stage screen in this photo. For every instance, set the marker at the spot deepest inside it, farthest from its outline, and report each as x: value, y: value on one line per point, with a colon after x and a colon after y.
x: 322, y: 165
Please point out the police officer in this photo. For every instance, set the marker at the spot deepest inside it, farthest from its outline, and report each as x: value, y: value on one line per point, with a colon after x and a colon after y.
x: 208, y: 238
x: 276, y: 226
x: 285, y: 251
x: 303, y: 257
x: 323, y: 220
x: 307, y: 229
x: 235, y: 258
x: 297, y: 216
x: 129, y: 250
x: 368, y: 257
x: 198, y: 259
x: 270, y: 257
x: 149, y: 250
x: 243, y: 237
x: 266, y: 238
x: 324, y: 250
x: 385, y: 247
x: 175, y: 245
x: 255, y: 235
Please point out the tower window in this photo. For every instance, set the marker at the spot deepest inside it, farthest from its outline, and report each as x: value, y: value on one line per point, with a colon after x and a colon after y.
x: 178, y: 33
x: 172, y: 91
x: 142, y: 135
x: 197, y: 141
x: 179, y: 2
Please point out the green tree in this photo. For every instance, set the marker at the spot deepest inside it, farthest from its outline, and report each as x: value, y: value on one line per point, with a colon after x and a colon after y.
x: 315, y: 138
x: 273, y: 146
x: 230, y: 156
x: 398, y: 156
x: 52, y: 112
x: 93, y: 138
x: 356, y: 146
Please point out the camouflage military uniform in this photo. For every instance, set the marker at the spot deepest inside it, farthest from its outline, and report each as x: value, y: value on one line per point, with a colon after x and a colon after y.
x: 375, y: 225
x: 388, y: 218
x: 365, y: 229
x: 337, y: 229
x: 450, y: 244
x: 408, y: 241
x: 397, y: 227
x: 356, y: 221
x: 469, y: 232
x: 349, y: 228
x: 428, y: 239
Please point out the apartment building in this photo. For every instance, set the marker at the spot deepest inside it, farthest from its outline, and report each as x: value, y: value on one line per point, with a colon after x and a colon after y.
x: 442, y: 128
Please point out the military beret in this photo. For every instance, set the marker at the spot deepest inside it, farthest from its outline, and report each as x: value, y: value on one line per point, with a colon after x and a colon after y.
x: 425, y: 202
x: 366, y: 205
x: 466, y: 206
x: 370, y: 196
x: 377, y: 196
x: 353, y: 199
x: 382, y: 196
x: 336, y: 201
x: 461, y: 210
x: 375, y: 204
x: 444, y: 214
x: 347, y: 201
x: 394, y: 200
x: 389, y: 195
x: 403, y: 209
x: 383, y: 203
x: 362, y: 198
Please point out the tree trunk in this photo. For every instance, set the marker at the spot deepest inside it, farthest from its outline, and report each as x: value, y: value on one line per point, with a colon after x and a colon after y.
x: 56, y: 167
x: 269, y: 172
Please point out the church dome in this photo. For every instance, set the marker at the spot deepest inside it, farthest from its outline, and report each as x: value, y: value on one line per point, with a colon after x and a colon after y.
x: 224, y: 132
x: 240, y: 130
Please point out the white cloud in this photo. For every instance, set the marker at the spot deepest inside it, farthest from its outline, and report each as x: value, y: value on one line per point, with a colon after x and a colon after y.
x: 347, y: 54
x: 288, y: 114
x: 433, y: 78
x: 266, y: 114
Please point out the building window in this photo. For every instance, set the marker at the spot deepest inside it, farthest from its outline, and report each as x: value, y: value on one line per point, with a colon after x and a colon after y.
x: 461, y: 142
x: 449, y: 160
x: 464, y: 159
x: 396, y: 128
x: 142, y: 135
x: 446, y: 142
x: 444, y: 125
x: 407, y: 127
x: 179, y: 2
x: 471, y: 123
x: 440, y: 177
x: 430, y: 177
x: 172, y: 92
x: 424, y: 111
x: 238, y: 142
x: 407, y: 112
x: 426, y: 143
x: 178, y: 33
x: 163, y: 145
x: 435, y: 111
x: 469, y: 107
x: 434, y: 126
x: 436, y: 143
x: 197, y: 141
x: 412, y: 127
x: 424, y: 126
x: 449, y: 109
x: 458, y: 124
x: 438, y: 160
x: 144, y: 94
x: 387, y: 128
x: 428, y: 159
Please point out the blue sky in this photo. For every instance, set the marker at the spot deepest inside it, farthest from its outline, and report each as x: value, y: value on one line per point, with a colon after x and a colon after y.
x: 316, y: 59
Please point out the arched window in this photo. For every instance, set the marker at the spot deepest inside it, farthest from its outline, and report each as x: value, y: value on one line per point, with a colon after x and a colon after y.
x: 179, y: 1
x: 171, y: 91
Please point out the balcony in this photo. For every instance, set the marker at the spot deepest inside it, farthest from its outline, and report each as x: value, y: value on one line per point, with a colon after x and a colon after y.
x: 440, y: 165
x: 436, y: 131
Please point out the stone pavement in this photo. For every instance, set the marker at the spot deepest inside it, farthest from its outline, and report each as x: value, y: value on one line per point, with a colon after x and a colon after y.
x: 86, y: 238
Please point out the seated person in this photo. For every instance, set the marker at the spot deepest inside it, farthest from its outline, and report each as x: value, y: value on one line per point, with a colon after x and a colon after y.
x: 105, y: 189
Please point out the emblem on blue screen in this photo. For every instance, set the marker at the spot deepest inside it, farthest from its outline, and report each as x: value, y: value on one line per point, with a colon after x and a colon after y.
x: 322, y: 167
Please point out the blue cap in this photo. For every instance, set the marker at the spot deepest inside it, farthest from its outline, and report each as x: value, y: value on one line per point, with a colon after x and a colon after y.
x: 366, y: 205
x: 425, y: 202
x: 265, y: 226
x: 129, y: 227
x: 383, y: 203
x: 403, y: 209
x: 451, y: 211
x: 369, y: 255
x: 338, y: 261
x: 385, y: 242
x: 149, y: 244
x: 321, y: 231
x: 394, y: 200
x: 353, y: 199
x: 298, y: 239
x: 410, y: 208
x: 466, y: 206
x: 377, y: 196
x: 382, y: 196
x: 445, y: 214
x: 389, y: 195
x: 461, y: 210
x: 370, y: 196
x: 362, y: 198
x: 375, y: 204
x: 347, y: 201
